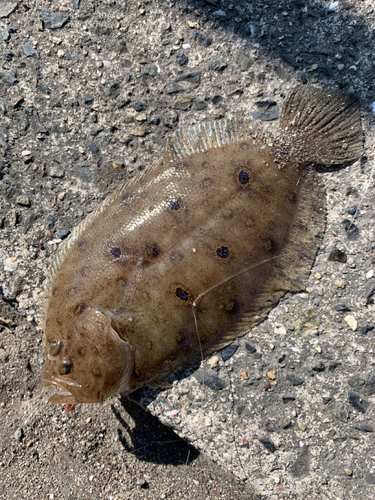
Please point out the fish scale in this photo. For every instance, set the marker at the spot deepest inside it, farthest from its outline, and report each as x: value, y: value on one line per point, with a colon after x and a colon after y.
x: 217, y: 231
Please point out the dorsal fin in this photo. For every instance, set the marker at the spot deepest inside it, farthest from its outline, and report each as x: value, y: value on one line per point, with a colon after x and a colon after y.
x: 204, y: 136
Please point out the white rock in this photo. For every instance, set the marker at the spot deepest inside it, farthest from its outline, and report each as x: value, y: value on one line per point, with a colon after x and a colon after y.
x: 352, y: 322
x: 370, y: 274
x: 10, y: 264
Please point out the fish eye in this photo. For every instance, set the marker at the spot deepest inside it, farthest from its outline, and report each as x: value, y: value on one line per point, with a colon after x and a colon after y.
x: 55, y: 347
x: 65, y: 367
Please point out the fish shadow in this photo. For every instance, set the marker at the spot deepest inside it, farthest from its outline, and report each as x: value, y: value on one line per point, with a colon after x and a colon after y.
x: 148, y: 439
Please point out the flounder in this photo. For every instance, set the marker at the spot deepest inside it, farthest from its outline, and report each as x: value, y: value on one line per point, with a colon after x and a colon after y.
x: 197, y: 248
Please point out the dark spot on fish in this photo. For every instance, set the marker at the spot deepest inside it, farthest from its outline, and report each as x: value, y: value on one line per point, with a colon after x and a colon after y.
x: 82, y: 244
x: 243, y: 177
x: 182, y: 294
x: 223, y: 252
x: 155, y: 251
x: 174, y: 205
x: 84, y: 271
x: 116, y: 252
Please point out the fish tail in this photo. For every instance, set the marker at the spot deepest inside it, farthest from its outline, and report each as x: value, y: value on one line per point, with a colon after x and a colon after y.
x: 321, y: 126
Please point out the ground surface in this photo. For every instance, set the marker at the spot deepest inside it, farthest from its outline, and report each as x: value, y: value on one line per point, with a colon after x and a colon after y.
x: 89, y: 100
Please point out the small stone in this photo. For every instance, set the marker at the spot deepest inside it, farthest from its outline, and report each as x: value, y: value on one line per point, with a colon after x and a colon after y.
x: 117, y: 165
x: 18, y: 435
x: 192, y: 24
x: 183, y: 104
x: 242, y: 60
x: 29, y: 50
x: 294, y: 380
x: 286, y: 423
x: 49, y: 222
x: 10, y: 264
x: 154, y: 120
x: 352, y: 322
x: 63, y: 233
x: 213, y: 361
x: 56, y: 172
x: 250, y: 348
x: 53, y: 20
x: 7, y: 7
x: 139, y: 106
x: 23, y: 200
x: 272, y: 373
x: 351, y: 262
x: 217, y: 66
x: 268, y: 444
x: 60, y: 54
x: 351, y: 210
x: 364, y: 427
x: 139, y: 132
x: 5, y: 34
x: 337, y: 255
x: 320, y: 367
x: 141, y: 117
x: 181, y: 58
x: 228, y: 351
x: 288, y: 399
x: 301, y: 426
x: 342, y: 307
x: 340, y: 411
x: 244, y: 375
x: 227, y: 457
x: 370, y: 274
x: 354, y: 400
x: 348, y: 472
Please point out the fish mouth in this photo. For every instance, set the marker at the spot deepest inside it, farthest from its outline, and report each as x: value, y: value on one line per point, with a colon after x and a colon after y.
x: 62, y: 395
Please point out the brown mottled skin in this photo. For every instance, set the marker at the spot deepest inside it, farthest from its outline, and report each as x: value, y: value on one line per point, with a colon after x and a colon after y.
x: 208, y: 228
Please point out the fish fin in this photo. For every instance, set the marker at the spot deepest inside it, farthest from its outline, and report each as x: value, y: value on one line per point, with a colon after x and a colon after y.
x: 292, y: 268
x: 321, y: 126
x: 204, y: 136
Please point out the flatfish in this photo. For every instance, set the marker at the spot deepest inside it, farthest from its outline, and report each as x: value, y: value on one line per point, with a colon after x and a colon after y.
x: 190, y: 253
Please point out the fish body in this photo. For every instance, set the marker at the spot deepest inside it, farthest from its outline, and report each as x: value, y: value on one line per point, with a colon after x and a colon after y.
x: 184, y: 257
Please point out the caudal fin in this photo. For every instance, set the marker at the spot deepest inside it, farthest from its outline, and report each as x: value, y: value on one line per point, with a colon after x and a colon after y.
x: 322, y: 126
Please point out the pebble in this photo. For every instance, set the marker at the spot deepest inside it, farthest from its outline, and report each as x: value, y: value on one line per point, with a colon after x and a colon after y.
x: 242, y: 60
x: 340, y: 411
x: 354, y: 400
x: 139, y: 132
x: 53, y: 20
x: 23, y: 200
x: 294, y: 380
x: 268, y: 444
x: 141, y: 117
x: 7, y: 8
x: 29, y: 50
x: 348, y: 472
x: 49, y: 222
x: 227, y: 457
x: 213, y: 361
x: 352, y: 322
x: 181, y: 58
x: 18, y: 435
x: 5, y: 34
x: 370, y: 274
x: 228, y: 351
x: 337, y: 255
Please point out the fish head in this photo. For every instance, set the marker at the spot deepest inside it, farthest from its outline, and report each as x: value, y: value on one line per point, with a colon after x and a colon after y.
x: 86, y: 359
